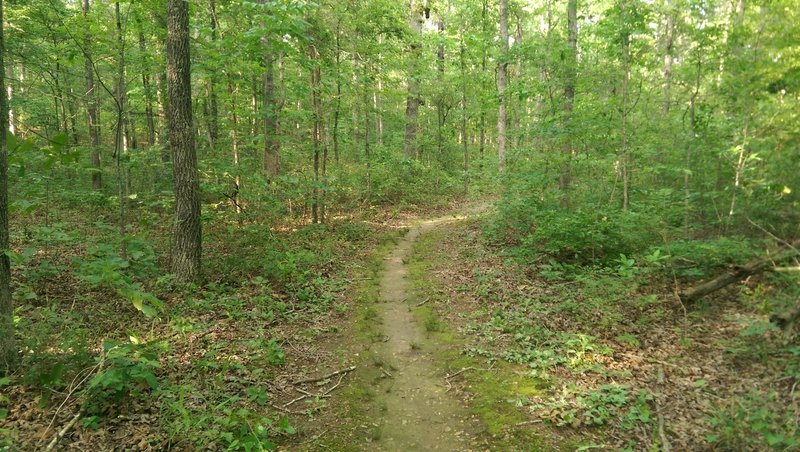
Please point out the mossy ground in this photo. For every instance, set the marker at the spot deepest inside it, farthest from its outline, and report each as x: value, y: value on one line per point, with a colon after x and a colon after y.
x: 491, y: 387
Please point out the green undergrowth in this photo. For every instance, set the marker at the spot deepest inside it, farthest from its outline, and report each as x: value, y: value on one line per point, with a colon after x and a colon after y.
x: 581, y: 292
x: 496, y: 388
x: 196, y: 361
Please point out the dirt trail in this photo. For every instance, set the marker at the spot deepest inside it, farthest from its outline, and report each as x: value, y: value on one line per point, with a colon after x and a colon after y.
x: 420, y: 414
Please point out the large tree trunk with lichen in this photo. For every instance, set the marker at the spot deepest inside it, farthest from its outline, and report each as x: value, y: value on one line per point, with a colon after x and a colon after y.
x: 187, y: 232
x: 502, y: 85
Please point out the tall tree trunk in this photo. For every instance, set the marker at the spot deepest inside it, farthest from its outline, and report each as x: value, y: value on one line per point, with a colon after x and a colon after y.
x: 187, y: 232
x: 272, y: 160
x: 482, y: 141
x: 8, y: 347
x: 569, y: 95
x: 502, y: 84
x: 376, y: 97
x: 625, y: 160
x: 91, y: 111
x: 237, y: 181
x: 148, y: 93
x: 441, y: 114
x: 316, y: 107
x: 213, y: 119
x: 669, y: 38
x: 338, y: 104
x: 413, y: 97
x: 120, y: 142
x: 464, y: 141
x: 367, y: 156
x: 163, y: 105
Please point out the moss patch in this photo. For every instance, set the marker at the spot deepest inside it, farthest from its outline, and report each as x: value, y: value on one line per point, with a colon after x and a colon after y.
x: 493, y: 389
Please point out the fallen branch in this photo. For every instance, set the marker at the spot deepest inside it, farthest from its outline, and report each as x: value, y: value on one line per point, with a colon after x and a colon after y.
x: 738, y: 273
x: 423, y: 302
x: 325, y: 377
x: 662, y: 433
x: 533, y: 421
x: 61, y: 433
x: 459, y: 372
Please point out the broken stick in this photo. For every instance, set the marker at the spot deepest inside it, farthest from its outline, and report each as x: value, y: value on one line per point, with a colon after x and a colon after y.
x: 325, y: 377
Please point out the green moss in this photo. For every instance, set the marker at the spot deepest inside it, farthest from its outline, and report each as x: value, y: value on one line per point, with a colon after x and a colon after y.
x: 493, y: 392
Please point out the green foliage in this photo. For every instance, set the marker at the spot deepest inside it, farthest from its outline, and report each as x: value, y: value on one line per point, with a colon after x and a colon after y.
x: 704, y: 257
x: 582, y: 236
x: 104, y: 267
x: 596, y: 407
x: 755, y: 421
x: 124, y: 371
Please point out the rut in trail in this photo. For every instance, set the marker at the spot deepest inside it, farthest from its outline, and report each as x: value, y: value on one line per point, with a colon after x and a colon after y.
x: 420, y: 413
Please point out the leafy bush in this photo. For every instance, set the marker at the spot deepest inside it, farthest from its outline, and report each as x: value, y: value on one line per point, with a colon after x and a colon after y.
x: 700, y: 258
x: 582, y: 236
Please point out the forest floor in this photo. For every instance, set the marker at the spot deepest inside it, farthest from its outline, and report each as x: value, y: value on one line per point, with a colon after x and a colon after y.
x: 460, y: 348
x: 391, y: 332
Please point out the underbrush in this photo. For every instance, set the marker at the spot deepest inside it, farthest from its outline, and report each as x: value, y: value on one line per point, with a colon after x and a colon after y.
x: 626, y: 364
x: 140, y: 362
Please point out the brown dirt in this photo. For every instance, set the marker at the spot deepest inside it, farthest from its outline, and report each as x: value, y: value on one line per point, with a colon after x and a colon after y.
x: 420, y: 414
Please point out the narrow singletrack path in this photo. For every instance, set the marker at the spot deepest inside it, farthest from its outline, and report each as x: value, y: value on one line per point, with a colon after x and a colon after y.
x: 419, y: 412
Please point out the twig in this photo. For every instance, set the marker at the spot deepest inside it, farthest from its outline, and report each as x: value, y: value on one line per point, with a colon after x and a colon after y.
x: 662, y: 434
x: 385, y: 372
x: 423, y: 302
x: 774, y: 237
x: 64, y: 431
x: 459, y: 372
x: 285, y: 410
x: 341, y: 376
x: 532, y: 421
x: 325, y: 377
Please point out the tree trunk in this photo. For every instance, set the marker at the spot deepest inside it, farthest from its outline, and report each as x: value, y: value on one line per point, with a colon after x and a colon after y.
x: 464, y: 141
x: 482, y: 140
x: 8, y: 347
x: 237, y: 182
x: 148, y: 93
x: 91, y: 111
x: 120, y: 143
x: 272, y: 159
x: 669, y: 38
x: 161, y: 106
x: 569, y: 95
x: 213, y: 119
x: 413, y: 98
x: 187, y: 232
x: 502, y: 84
x: 626, y: 75
x: 316, y: 133
x: 338, y: 103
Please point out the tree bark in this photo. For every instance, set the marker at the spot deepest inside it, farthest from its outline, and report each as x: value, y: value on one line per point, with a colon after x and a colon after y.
x: 187, y: 232
x: 213, y: 120
x: 91, y: 111
x: 148, y: 93
x: 8, y: 347
x: 669, y: 38
x: 502, y: 85
x: 413, y: 98
x: 464, y: 141
x: 316, y: 106
x: 626, y: 75
x: 569, y: 96
x: 272, y: 145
